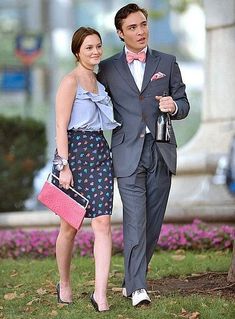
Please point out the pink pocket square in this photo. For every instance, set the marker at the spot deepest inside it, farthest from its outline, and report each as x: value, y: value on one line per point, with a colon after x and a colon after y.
x: 157, y: 76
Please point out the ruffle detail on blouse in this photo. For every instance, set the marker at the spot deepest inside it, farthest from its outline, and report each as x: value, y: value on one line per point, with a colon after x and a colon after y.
x: 104, y: 105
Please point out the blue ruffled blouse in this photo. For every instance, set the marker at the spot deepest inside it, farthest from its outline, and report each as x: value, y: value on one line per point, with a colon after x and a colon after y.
x: 92, y: 112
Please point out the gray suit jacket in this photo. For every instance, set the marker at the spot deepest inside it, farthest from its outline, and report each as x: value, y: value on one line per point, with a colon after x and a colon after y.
x: 135, y: 109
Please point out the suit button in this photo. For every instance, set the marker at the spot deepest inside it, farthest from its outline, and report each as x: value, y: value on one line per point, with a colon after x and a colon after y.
x: 141, y: 97
x: 142, y: 135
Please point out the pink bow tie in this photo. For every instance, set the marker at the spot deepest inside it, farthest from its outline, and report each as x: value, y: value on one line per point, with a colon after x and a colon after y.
x: 130, y: 57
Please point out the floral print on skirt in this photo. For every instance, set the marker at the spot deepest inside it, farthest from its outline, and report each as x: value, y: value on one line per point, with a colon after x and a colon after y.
x: 91, y: 165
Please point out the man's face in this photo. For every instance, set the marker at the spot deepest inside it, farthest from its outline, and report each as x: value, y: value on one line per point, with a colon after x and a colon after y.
x: 135, y: 32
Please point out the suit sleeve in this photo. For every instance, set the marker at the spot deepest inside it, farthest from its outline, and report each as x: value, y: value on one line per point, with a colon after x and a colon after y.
x: 177, y: 92
x: 101, y: 77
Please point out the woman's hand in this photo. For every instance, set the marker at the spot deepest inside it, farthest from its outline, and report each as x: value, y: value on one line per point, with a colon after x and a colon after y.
x: 66, y: 177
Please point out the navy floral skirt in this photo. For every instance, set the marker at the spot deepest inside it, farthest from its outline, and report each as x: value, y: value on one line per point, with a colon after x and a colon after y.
x: 91, y: 165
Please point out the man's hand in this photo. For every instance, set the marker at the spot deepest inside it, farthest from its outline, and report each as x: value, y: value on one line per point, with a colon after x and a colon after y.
x: 166, y: 104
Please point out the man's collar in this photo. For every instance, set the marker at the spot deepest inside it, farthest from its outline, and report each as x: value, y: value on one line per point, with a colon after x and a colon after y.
x: 144, y: 50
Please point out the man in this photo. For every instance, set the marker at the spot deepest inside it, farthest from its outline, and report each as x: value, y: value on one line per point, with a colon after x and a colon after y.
x: 143, y: 167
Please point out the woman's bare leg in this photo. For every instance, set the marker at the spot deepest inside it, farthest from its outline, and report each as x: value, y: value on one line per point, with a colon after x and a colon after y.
x: 102, y: 252
x: 64, y: 248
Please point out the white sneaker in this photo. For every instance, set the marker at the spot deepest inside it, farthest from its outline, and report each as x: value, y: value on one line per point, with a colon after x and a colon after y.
x: 140, y: 297
x: 124, y: 293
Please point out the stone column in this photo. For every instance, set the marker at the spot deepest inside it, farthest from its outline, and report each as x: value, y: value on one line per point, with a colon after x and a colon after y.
x: 193, y: 194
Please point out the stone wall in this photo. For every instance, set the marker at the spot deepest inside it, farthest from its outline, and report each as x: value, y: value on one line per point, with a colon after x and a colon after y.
x: 193, y: 192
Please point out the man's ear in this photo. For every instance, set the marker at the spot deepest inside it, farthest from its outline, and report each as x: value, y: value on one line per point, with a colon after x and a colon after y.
x: 120, y: 34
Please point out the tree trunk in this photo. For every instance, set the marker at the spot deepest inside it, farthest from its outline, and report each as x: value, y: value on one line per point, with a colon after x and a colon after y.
x: 231, y: 273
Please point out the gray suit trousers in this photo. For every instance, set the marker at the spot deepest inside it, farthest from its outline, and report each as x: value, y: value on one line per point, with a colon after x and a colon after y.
x: 144, y: 196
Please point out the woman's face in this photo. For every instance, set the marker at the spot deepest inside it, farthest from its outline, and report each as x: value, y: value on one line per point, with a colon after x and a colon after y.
x: 91, y: 50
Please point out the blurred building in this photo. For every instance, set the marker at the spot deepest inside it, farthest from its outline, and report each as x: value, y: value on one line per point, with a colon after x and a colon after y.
x: 56, y: 20
x: 170, y: 31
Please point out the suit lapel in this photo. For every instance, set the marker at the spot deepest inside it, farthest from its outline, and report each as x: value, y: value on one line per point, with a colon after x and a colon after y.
x: 122, y: 67
x: 152, y: 62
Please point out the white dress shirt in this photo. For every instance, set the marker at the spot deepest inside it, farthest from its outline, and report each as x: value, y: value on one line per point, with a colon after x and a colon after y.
x: 137, y: 69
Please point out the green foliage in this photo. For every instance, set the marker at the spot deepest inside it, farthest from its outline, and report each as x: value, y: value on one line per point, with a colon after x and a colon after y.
x: 22, y: 154
x: 182, y: 5
x: 156, y: 14
x: 187, y: 128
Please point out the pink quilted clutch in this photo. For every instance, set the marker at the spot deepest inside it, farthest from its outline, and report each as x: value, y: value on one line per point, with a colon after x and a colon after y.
x: 62, y: 204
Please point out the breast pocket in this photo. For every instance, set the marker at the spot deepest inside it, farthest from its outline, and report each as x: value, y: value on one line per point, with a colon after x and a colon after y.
x: 157, y: 87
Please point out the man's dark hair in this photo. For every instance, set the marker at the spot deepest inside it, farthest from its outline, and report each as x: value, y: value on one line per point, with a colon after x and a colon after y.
x: 124, y: 12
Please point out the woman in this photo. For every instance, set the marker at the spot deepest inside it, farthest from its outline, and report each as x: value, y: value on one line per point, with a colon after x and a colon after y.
x: 83, y: 111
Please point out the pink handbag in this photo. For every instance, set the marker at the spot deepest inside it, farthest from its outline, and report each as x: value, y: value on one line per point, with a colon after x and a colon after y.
x: 62, y: 204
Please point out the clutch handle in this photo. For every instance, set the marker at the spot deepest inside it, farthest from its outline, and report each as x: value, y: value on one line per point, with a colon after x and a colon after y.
x: 72, y: 189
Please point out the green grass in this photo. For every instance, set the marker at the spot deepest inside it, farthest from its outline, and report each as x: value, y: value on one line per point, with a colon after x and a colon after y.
x: 32, y: 284
x: 164, y: 264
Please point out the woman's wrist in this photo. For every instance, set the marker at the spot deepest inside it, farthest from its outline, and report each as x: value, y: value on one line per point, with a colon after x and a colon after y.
x: 60, y: 162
